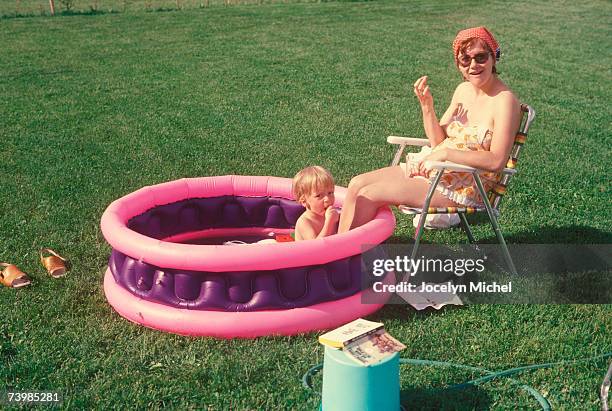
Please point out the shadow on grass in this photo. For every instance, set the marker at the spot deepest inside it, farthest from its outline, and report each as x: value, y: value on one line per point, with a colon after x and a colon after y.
x: 162, y: 10
x: 90, y: 12
x: 7, y: 349
x: 578, y: 234
x: 399, y: 311
x: 560, y: 235
x: 554, y: 271
x: 471, y: 398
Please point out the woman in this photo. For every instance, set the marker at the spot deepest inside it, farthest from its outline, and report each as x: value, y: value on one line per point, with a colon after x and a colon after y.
x: 477, y: 130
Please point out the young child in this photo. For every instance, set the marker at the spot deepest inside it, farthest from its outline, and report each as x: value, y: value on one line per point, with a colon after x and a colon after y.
x: 313, y: 187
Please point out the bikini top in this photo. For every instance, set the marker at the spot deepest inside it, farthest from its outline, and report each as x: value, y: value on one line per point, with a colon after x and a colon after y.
x: 473, y: 137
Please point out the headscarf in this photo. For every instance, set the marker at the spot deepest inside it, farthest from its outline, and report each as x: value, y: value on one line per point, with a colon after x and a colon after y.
x: 481, y: 33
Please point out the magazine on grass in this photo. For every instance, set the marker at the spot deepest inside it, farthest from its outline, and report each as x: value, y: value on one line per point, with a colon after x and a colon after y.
x: 373, y: 348
x: 343, y: 336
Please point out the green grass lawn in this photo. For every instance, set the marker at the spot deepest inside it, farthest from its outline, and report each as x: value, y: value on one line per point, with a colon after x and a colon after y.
x: 30, y: 8
x: 96, y: 106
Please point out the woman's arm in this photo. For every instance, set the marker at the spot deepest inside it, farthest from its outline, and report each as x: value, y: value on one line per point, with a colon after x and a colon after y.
x: 434, y: 130
x: 484, y: 160
x: 505, y: 123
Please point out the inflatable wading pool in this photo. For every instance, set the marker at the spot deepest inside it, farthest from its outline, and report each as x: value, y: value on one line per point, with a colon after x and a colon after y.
x: 170, y: 269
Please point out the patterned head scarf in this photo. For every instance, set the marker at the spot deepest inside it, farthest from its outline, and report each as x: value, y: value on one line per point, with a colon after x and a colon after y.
x: 481, y: 33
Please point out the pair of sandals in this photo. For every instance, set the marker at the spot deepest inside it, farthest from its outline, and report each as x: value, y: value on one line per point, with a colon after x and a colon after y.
x: 13, y: 277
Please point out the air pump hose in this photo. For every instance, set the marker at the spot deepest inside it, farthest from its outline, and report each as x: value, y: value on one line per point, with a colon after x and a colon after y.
x: 491, y: 375
x: 605, y: 389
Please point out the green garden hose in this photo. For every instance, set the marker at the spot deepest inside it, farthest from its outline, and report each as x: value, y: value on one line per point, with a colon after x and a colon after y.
x: 491, y: 375
x: 605, y: 389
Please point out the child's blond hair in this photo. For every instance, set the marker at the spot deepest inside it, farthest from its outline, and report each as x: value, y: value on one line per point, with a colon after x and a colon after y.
x: 311, y: 179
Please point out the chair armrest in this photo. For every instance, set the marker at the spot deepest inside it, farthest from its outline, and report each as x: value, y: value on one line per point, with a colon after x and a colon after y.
x: 409, y: 141
x: 448, y: 165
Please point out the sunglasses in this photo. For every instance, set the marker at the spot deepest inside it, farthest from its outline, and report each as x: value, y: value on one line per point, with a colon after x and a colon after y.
x: 465, y: 60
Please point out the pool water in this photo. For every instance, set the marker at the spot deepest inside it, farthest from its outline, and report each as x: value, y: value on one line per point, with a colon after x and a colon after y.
x: 249, y: 239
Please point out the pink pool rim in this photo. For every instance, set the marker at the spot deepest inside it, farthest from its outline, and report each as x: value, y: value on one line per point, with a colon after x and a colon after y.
x: 168, y: 253
x: 253, y: 324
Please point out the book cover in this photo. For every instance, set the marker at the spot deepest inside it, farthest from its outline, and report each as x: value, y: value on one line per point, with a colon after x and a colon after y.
x: 373, y: 348
x: 342, y: 336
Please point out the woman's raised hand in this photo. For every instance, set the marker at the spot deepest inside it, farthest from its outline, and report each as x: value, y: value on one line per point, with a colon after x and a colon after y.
x: 421, y: 89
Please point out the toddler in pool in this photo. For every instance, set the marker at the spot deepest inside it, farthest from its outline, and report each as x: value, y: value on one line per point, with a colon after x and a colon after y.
x: 313, y: 187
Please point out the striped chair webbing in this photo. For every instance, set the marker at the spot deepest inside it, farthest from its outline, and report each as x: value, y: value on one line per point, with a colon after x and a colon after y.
x: 496, y: 194
x: 499, y: 190
x: 519, y: 140
x: 442, y: 210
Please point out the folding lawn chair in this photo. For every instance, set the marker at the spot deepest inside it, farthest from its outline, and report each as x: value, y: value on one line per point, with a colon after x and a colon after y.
x: 491, y: 202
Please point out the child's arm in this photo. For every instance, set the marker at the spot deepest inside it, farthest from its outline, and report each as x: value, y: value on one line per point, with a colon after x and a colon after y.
x: 306, y: 228
x: 330, y: 226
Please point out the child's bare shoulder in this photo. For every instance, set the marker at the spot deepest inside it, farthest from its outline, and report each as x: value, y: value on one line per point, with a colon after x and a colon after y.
x: 302, y: 218
x: 307, y: 227
x: 304, y: 221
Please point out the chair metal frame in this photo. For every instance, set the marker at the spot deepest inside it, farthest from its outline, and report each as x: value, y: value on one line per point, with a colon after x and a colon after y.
x: 491, y: 201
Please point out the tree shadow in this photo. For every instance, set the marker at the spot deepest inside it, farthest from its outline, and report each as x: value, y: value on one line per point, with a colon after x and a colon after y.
x: 548, y: 234
x: 89, y: 12
x: 400, y: 310
x: 577, y: 234
x: 162, y: 9
x: 555, y: 265
x: 470, y: 398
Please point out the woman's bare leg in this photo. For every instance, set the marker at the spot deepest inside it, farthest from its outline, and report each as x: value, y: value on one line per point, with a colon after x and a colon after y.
x: 387, y: 186
x: 350, y: 199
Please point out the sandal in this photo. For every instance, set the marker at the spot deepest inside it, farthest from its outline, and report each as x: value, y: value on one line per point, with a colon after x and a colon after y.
x: 13, y: 277
x: 55, y: 264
